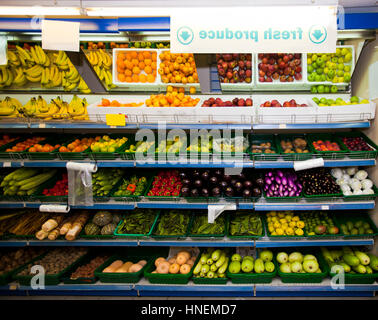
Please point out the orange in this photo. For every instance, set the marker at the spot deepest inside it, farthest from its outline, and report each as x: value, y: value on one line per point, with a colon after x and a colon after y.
x: 143, y: 78
x: 128, y: 64
x: 135, y: 62
x: 148, y: 62
x: 122, y: 77
x: 121, y: 56
x: 134, y: 54
x: 141, y: 65
x: 115, y: 103
x: 140, y: 56
x: 146, y: 54
x: 128, y: 73
x: 128, y: 79
x: 46, y: 148
x: 154, y: 56
x: 105, y: 102
x: 150, y: 78
x: 120, y: 70
x: 71, y: 146
x: 32, y: 149
x: 153, y: 65
x: 135, y: 78
x: 147, y: 69
x: 136, y: 70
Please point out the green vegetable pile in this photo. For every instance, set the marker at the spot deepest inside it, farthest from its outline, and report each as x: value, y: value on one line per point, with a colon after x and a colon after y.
x: 173, y: 223
x: 137, y: 222
x: 201, y: 226
x: 104, y: 180
x: 133, y: 186
x: 246, y: 225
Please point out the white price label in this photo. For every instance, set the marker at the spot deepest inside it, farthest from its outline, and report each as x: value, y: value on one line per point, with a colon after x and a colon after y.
x: 282, y: 126
x: 7, y: 164
x: 3, y: 51
x: 13, y: 287
x: 214, y: 211
x: 325, y: 207
x: 308, y: 164
x: 42, y: 125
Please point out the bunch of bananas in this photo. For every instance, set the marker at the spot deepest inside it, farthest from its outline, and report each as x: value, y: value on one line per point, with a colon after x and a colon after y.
x: 39, y: 108
x: 49, y: 69
x: 10, y: 108
x: 102, y: 64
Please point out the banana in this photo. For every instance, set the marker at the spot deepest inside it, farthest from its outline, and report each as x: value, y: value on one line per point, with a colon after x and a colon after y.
x: 4, y: 75
x: 7, y: 109
x: 10, y: 78
x: 34, y: 79
x: 31, y: 107
x: 42, y: 54
x: 48, y: 61
x: 52, y: 71
x: 58, y: 57
x: 34, y: 71
x: 34, y: 55
x: 70, y: 86
x: 107, y: 61
x: 100, y: 62
x: 13, y: 59
x: 57, y: 80
x: 20, y: 78
x: 25, y: 55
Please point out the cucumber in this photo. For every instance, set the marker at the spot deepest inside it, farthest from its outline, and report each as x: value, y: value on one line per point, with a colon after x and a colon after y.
x: 352, y: 260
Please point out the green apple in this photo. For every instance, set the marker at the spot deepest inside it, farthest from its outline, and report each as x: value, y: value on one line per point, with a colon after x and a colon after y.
x: 285, y: 267
x: 318, y: 78
x: 282, y: 257
x: 319, y: 71
x: 323, y: 100
x: 321, y: 89
x: 354, y: 99
x: 333, y: 89
x: 331, y: 73
x: 310, y: 266
x: 310, y: 69
x: 311, y: 77
x: 296, y: 267
x: 295, y: 256
x: 326, y: 89
x: 316, y: 100
x: 314, y: 89
x: 266, y: 255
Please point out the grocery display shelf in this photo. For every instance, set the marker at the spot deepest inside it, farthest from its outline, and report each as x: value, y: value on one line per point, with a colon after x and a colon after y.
x: 260, y: 205
x: 144, y: 288
x: 246, y: 163
x: 334, y: 125
x: 188, y: 242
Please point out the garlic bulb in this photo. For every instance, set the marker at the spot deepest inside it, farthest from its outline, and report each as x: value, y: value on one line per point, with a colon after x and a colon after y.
x: 357, y: 192
x: 367, y: 184
x: 361, y: 175
x: 337, y: 173
x: 351, y: 171
x: 356, y: 185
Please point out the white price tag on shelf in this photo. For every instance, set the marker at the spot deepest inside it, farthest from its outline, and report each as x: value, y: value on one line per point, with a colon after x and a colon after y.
x: 308, y: 164
x: 325, y: 207
x: 215, y: 210
x: 60, y: 35
x: 13, y: 286
x: 3, y: 51
x: 42, y: 125
x: 282, y: 126
x: 54, y: 208
x: 7, y: 164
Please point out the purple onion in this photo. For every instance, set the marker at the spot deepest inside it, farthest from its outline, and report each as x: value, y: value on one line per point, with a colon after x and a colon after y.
x: 291, y: 194
x: 286, y: 193
x: 284, y: 181
x: 268, y: 181
x: 280, y: 189
x: 270, y: 174
x: 280, y: 173
x: 278, y: 180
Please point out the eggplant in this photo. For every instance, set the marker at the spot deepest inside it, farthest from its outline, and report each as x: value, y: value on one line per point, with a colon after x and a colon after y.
x: 205, y: 192
x: 185, y: 191
x: 213, y: 180
x: 194, y: 193
x: 259, y: 182
x: 223, y: 185
x: 205, y: 175
x: 241, y: 177
x: 238, y: 185
x: 198, y: 183
x: 182, y: 175
x: 229, y: 192
x: 233, y: 181
x: 186, y: 182
x: 218, y: 173
x: 196, y: 174
x: 247, y: 193
x: 256, y: 192
x: 247, y: 184
x: 216, y: 192
x: 227, y: 178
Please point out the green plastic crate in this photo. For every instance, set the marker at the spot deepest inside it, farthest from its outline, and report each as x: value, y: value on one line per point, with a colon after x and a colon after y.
x: 306, y: 277
x: 363, y: 197
x: 292, y: 156
x: 351, y: 278
x: 282, y: 199
x: 38, y: 195
x: 44, y: 155
x: 75, y: 155
x: 130, y: 197
x: 12, y: 155
x: 327, y: 154
x: 130, y: 235
x: 111, y: 155
x: 263, y: 138
x: 219, y: 281
x: 324, y: 236
x: 265, y: 277
x: 49, y: 279
x: 115, y: 277
x: 167, y: 278
x: 342, y: 218
x: 82, y: 280
x: 7, y: 277
x: 283, y: 237
x: 359, y: 154
x: 248, y: 237
x: 157, y: 198
x: 166, y: 236
x: 207, y: 236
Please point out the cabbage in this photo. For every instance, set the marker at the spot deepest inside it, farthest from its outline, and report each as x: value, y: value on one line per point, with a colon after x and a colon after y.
x: 337, y: 173
x: 351, y: 171
x: 367, y: 184
x: 361, y: 175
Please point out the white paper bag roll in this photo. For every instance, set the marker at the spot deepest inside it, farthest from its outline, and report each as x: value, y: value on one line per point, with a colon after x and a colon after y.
x: 308, y: 164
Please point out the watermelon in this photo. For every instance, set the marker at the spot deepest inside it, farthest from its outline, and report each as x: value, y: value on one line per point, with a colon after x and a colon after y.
x: 91, y: 229
x: 108, y: 229
x: 102, y: 218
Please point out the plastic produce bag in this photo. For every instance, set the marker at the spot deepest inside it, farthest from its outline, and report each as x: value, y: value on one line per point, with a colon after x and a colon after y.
x: 80, y: 183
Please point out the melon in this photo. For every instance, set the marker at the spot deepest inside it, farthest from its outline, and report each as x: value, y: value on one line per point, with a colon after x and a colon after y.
x: 91, y: 229
x: 102, y: 218
x: 116, y: 218
x: 108, y: 229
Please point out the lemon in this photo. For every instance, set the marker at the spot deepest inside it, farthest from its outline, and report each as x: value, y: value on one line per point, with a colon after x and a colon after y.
x: 271, y: 229
x: 277, y: 225
x: 284, y: 226
x: 282, y: 221
x: 279, y: 231
x: 295, y: 218
x: 289, y: 231
x: 299, y: 232
x: 292, y: 224
x: 274, y: 219
x: 269, y: 219
x: 288, y: 217
x: 273, y: 233
x: 300, y: 224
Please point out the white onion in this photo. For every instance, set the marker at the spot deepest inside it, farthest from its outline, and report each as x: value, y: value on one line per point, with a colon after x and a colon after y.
x: 347, y: 193
x: 346, y: 177
x: 367, y: 184
x: 361, y: 175
x: 368, y: 191
x: 341, y: 181
x: 357, y: 192
x: 353, y: 180
x: 351, y: 171
x: 345, y: 188
x: 337, y: 173
x: 356, y: 185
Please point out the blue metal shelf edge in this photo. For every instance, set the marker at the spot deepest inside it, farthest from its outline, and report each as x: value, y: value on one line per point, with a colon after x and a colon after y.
x: 312, y: 243
x: 335, y: 125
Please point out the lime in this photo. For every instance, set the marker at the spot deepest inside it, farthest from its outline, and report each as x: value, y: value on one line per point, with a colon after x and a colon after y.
x: 333, y: 89
x: 344, y: 51
x: 315, y: 99
x: 313, y: 89
x: 310, y: 69
x: 326, y: 89
x: 354, y: 99
x: 319, y: 70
